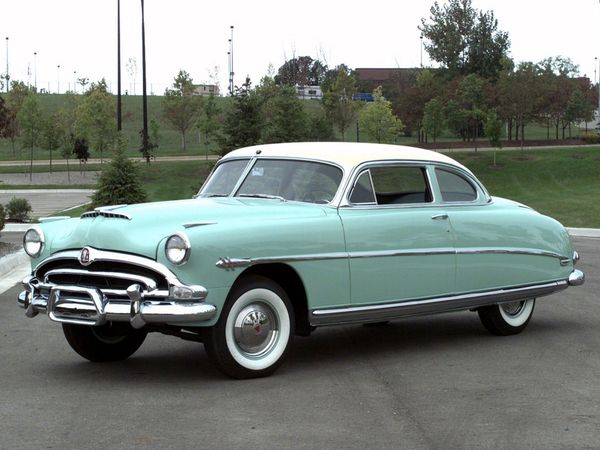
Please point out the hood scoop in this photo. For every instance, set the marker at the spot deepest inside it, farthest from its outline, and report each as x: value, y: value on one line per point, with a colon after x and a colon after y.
x: 106, y: 211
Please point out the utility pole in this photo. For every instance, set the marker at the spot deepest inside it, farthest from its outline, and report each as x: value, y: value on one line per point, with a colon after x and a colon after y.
x: 7, y: 77
x: 144, y: 96
x: 231, y: 71
x: 119, y: 121
x: 35, y: 70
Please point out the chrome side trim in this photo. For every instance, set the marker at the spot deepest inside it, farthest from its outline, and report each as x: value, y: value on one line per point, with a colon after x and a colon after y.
x: 231, y: 263
x: 197, y: 224
x: 388, y: 311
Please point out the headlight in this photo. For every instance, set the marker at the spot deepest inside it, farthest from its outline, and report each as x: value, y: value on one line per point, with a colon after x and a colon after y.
x: 33, y: 241
x: 178, y: 249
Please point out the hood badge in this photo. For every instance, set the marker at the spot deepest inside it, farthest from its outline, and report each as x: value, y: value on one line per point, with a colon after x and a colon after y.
x: 85, y: 257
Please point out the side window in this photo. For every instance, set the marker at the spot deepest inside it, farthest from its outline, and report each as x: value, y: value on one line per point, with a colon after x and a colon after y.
x: 455, y: 188
x: 363, y: 190
x: 400, y: 185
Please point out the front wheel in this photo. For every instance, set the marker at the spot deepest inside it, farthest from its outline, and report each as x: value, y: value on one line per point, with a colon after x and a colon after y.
x: 254, y: 331
x: 507, y: 318
x: 110, y: 342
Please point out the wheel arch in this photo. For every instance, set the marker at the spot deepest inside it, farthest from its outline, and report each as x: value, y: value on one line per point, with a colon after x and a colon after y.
x: 292, y: 284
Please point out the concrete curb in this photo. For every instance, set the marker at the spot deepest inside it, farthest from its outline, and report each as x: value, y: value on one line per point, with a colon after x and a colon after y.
x: 13, y: 268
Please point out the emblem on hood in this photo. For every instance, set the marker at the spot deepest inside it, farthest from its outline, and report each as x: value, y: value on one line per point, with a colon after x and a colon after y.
x: 85, y: 257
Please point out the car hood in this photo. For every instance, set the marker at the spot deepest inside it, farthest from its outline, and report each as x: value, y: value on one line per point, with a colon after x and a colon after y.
x: 138, y: 229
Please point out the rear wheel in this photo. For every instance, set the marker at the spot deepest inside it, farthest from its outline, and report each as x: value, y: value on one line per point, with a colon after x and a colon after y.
x: 507, y: 318
x: 110, y: 342
x: 254, y: 331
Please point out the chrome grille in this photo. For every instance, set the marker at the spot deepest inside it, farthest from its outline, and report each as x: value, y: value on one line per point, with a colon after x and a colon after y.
x: 111, y: 278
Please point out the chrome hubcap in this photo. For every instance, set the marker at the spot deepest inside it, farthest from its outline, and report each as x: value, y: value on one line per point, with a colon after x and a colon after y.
x: 256, y: 329
x: 513, y: 308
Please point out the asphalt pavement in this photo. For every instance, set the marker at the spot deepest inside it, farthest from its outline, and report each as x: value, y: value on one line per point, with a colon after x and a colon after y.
x: 439, y: 382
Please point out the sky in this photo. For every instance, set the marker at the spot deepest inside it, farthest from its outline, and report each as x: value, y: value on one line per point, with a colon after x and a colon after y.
x: 52, y: 43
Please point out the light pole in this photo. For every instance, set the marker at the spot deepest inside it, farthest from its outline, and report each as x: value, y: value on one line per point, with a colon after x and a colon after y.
x: 231, y: 73
x: 144, y: 96
x: 35, y: 70
x: 119, y: 64
x: 75, y: 81
x: 421, y: 50
x: 58, y: 78
x: 7, y: 76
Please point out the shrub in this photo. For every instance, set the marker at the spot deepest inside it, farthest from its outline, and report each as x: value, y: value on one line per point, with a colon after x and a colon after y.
x: 2, y: 217
x: 119, y: 183
x: 18, y: 210
x: 591, y: 138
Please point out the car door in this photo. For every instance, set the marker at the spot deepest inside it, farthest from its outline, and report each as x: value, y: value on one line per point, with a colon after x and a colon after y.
x: 398, y: 239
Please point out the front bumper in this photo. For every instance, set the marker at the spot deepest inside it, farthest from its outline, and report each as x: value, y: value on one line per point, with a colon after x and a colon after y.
x: 142, y: 302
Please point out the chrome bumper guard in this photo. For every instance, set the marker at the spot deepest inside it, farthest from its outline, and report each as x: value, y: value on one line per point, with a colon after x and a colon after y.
x: 90, y: 306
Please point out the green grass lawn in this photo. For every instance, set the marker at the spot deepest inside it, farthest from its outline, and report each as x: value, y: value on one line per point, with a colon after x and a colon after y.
x: 562, y: 183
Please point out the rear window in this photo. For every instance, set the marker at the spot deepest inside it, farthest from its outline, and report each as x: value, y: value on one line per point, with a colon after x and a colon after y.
x: 455, y: 188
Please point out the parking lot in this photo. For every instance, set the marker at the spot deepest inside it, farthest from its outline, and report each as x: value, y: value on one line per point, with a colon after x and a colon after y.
x: 431, y: 382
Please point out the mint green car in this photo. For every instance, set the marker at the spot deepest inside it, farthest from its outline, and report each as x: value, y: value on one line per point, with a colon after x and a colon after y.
x: 288, y: 237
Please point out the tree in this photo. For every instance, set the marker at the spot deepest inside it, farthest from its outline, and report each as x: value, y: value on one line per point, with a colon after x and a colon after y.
x: 320, y: 127
x: 302, y: 71
x: 338, y: 103
x: 180, y: 106
x: 433, y: 118
x: 286, y: 121
x: 30, y: 121
x: 378, y: 121
x: 493, y: 131
x: 67, y: 114
x: 96, y: 118
x: 208, y: 124
x: 4, y: 118
x: 119, y: 183
x: 14, y: 103
x: 471, y: 91
x: 465, y: 40
x: 52, y: 130
x: 81, y: 151
x: 243, y: 120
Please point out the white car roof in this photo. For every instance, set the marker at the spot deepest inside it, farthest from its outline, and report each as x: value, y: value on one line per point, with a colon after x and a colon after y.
x: 345, y: 154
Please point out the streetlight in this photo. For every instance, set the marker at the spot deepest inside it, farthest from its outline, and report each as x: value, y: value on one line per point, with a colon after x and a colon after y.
x: 144, y: 96
x: 231, y: 72
x: 119, y: 109
x: 421, y: 50
x: 58, y: 78
x: 75, y: 81
x: 7, y: 77
x: 35, y: 70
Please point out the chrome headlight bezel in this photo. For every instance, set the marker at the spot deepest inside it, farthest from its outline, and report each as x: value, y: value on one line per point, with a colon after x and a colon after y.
x: 34, y: 237
x: 178, y: 249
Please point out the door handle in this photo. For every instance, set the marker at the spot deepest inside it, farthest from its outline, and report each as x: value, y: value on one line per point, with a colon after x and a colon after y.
x: 440, y: 217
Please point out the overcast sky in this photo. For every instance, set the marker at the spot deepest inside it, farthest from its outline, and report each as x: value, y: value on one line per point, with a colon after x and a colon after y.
x: 80, y: 36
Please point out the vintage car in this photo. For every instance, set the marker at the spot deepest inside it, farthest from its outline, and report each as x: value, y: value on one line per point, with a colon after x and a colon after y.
x: 284, y: 238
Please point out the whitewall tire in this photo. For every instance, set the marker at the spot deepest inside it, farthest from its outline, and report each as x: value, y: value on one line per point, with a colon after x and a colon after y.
x: 254, y: 331
x: 507, y: 318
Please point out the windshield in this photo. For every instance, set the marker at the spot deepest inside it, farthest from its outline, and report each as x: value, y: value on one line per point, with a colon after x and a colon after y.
x: 224, y: 178
x: 303, y: 181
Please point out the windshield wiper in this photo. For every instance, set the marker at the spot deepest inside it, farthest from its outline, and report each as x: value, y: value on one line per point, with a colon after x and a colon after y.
x: 210, y: 195
x: 271, y: 197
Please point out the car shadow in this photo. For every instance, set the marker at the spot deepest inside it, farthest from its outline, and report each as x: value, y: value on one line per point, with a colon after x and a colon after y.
x: 165, y: 360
